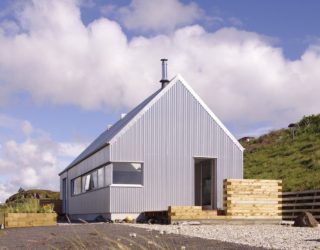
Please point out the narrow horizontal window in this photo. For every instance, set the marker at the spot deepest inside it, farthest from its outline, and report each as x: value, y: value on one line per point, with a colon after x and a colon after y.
x: 92, y: 180
x: 127, y: 173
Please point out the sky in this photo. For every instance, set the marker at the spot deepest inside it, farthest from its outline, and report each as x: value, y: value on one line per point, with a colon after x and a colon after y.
x: 68, y: 68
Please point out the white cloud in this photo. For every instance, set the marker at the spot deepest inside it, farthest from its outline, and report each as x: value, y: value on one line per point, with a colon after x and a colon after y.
x: 158, y: 16
x: 4, y: 192
x: 33, y: 163
x: 242, y: 76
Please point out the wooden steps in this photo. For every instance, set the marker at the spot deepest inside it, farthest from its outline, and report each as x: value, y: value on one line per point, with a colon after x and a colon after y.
x: 177, y: 213
x: 244, y: 199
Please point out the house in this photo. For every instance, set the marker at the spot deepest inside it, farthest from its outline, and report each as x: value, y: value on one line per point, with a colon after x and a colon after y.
x: 169, y: 150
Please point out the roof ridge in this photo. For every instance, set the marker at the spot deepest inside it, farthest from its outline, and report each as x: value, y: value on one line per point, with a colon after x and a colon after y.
x: 109, y: 136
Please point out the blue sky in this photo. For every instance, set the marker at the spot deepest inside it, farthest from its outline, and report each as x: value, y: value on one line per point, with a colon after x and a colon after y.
x: 69, y: 68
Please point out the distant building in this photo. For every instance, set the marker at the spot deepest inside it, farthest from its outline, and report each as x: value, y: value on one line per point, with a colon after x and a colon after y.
x: 169, y: 150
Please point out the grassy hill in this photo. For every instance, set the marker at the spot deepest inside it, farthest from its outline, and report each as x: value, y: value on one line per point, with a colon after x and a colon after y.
x: 292, y: 155
x: 28, y: 201
x: 23, y: 195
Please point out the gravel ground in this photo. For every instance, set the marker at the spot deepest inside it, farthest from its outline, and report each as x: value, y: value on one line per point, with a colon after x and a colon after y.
x: 104, y: 236
x: 267, y: 236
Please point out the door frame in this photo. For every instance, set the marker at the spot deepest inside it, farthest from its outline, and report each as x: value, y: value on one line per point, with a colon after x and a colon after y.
x: 64, y: 195
x: 213, y: 163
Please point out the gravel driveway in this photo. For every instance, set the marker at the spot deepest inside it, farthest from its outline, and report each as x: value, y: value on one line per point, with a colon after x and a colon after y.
x: 267, y: 236
x: 104, y: 236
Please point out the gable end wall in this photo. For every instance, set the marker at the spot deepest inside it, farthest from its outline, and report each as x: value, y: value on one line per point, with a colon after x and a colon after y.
x: 166, y: 138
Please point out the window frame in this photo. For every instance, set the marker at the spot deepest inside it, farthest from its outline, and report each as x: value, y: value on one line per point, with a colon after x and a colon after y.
x: 82, y: 176
x: 105, y: 185
x: 128, y: 185
x: 73, y: 182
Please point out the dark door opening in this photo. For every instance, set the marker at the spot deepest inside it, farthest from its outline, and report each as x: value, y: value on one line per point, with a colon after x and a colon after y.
x: 64, y: 195
x: 205, y: 183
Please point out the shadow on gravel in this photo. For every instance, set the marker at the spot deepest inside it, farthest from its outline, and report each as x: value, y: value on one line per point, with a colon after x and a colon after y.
x: 315, y: 240
x: 103, y: 236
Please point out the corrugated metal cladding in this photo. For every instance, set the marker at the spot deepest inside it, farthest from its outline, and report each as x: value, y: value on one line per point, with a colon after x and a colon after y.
x: 92, y: 202
x: 166, y: 138
x: 108, y: 134
x: 95, y: 202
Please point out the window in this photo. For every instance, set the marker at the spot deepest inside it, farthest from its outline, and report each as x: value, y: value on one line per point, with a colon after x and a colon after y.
x: 90, y: 181
x: 115, y: 173
x: 94, y: 180
x: 76, y: 186
x: 108, y: 175
x: 127, y: 173
x: 84, y: 183
x: 101, y: 177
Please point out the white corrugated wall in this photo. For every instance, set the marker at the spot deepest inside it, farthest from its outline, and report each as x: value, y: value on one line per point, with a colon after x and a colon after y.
x: 166, y: 139
x: 97, y: 201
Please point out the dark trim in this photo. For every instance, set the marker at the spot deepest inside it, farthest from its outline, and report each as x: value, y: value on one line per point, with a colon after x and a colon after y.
x: 96, y: 189
x: 101, y: 165
x: 76, y: 163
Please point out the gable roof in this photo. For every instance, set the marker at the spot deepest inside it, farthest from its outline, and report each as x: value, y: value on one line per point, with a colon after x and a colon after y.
x: 105, y: 137
x: 121, y: 125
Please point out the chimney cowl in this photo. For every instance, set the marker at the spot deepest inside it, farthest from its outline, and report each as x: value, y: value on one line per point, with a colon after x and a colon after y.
x: 164, y: 79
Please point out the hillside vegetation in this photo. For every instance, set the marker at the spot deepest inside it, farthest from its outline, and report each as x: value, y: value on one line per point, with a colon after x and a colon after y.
x: 292, y: 155
x: 23, y: 195
x: 29, y: 201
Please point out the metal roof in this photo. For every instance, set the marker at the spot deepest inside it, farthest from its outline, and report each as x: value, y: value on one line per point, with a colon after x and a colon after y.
x: 104, y: 138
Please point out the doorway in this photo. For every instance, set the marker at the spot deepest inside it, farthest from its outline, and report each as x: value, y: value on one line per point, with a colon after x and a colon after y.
x: 64, y: 195
x: 205, y: 183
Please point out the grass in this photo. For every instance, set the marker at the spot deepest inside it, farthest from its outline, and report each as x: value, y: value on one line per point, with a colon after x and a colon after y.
x: 27, y: 206
x: 292, y: 155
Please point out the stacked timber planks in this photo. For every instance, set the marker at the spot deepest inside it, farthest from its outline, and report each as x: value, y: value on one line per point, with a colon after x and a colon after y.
x: 178, y: 213
x: 252, y: 199
x: 29, y: 219
x: 293, y: 203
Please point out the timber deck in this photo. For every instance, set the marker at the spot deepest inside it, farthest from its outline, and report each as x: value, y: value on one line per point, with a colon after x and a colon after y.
x: 195, y: 213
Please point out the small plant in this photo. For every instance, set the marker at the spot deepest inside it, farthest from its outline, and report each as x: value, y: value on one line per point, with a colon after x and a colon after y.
x: 47, y: 208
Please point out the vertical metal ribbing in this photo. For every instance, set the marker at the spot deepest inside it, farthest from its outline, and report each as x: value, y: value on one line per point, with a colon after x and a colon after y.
x: 166, y: 138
